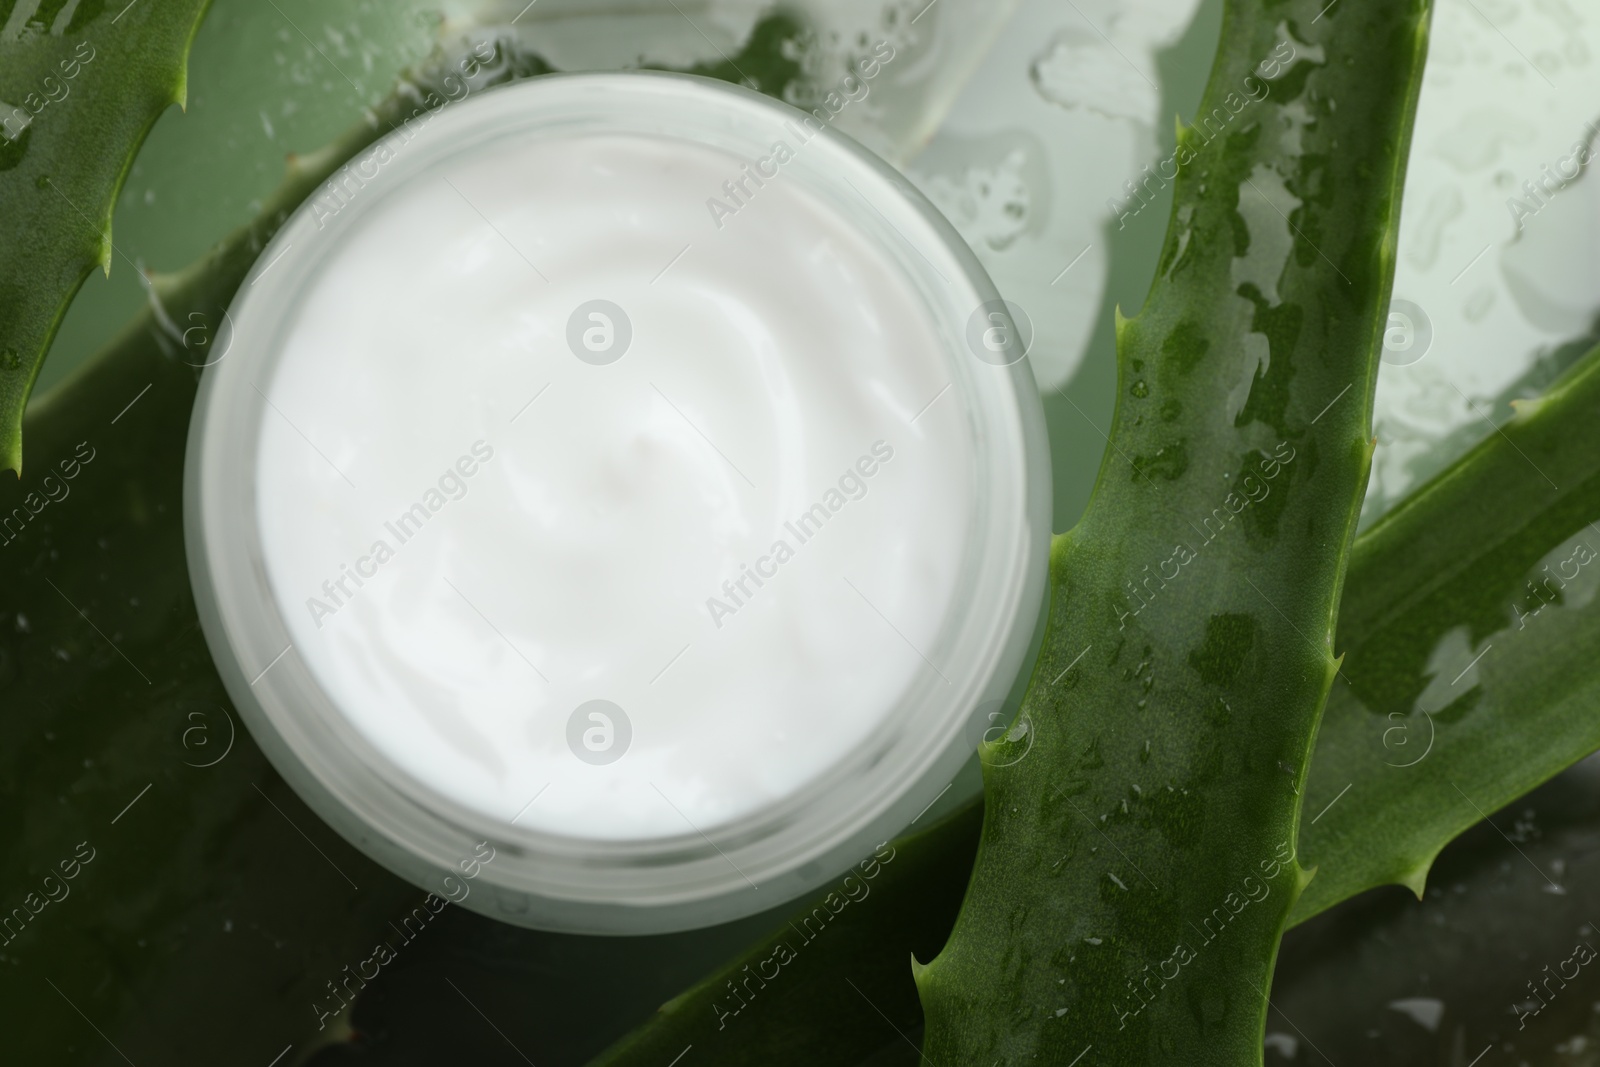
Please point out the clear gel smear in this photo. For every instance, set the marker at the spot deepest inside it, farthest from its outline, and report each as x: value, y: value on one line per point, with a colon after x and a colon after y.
x: 550, y: 429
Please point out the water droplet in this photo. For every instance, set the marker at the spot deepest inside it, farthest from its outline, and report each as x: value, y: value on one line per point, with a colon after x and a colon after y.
x: 1424, y: 1011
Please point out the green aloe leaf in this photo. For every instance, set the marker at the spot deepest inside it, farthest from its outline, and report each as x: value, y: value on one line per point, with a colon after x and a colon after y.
x: 220, y: 902
x: 823, y: 987
x: 1493, y: 965
x: 1469, y: 627
x: 212, y: 889
x: 81, y: 83
x: 1137, y: 866
x: 216, y: 907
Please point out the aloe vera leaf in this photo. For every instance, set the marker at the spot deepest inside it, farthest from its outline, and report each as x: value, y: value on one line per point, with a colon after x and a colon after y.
x: 206, y: 920
x: 80, y: 86
x: 821, y: 987
x: 1137, y: 864
x: 110, y: 688
x: 1469, y: 627
x: 1492, y: 958
x: 201, y: 897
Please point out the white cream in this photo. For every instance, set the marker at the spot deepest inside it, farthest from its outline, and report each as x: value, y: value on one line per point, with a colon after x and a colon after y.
x: 591, y: 543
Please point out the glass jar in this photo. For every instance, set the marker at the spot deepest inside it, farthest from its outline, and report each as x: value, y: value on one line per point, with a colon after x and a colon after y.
x: 294, y: 689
